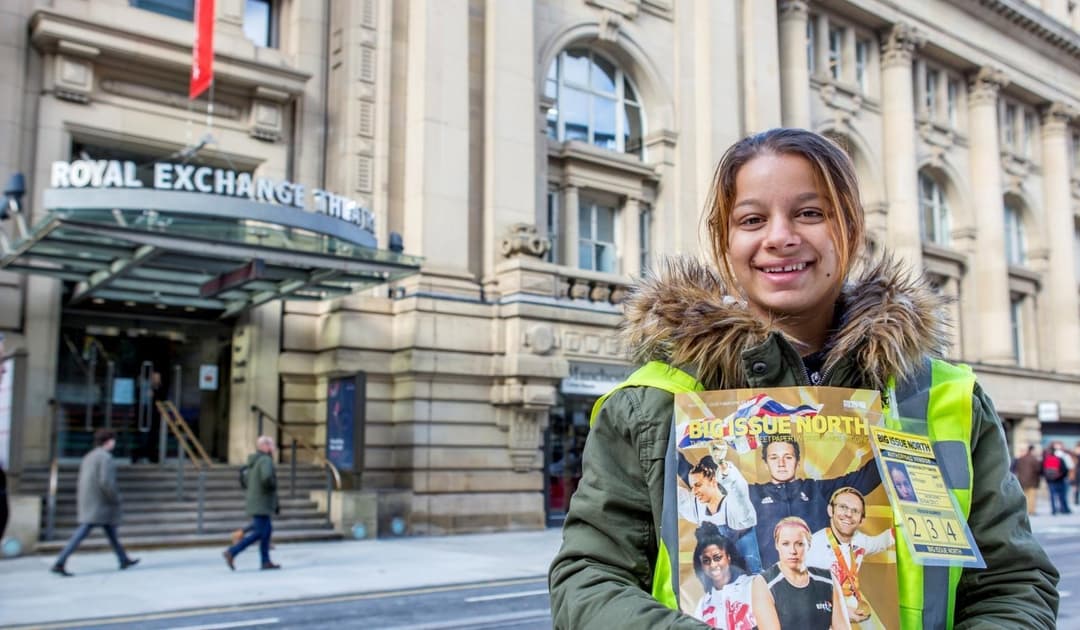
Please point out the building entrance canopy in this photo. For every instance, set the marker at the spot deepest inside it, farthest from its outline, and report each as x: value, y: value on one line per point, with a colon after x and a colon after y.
x: 194, y: 254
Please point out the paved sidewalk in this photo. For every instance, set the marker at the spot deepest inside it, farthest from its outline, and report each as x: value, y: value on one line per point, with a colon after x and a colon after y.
x: 167, y: 580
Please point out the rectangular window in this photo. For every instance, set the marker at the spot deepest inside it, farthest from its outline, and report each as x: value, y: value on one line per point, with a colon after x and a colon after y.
x: 553, y: 227
x: 645, y: 238
x: 836, y: 52
x: 259, y: 23
x: 1008, y: 124
x: 862, y: 64
x: 952, y: 105
x: 1029, y: 131
x: 182, y: 9
x: 930, y: 94
x: 1016, y: 322
x: 1015, y: 245
x: 811, y: 47
x: 596, y: 237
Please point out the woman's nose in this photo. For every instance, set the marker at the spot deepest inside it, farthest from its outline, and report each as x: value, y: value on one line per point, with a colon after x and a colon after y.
x: 780, y: 232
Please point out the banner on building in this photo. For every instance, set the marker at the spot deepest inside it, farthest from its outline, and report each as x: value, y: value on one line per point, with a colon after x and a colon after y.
x: 345, y: 416
x: 202, y: 50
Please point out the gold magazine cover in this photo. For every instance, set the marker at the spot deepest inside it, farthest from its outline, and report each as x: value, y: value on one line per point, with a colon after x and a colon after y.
x: 783, y: 520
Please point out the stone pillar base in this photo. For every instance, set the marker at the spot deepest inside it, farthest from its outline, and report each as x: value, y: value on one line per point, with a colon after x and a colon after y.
x: 24, y: 520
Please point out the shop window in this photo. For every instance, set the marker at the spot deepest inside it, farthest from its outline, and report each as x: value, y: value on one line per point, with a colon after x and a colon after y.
x: 259, y: 23
x: 933, y: 211
x: 1015, y: 241
x: 182, y: 9
x: 594, y: 102
x: 596, y: 236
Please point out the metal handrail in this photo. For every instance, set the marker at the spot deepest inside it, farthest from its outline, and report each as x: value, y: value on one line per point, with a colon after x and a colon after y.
x: 54, y: 471
x: 190, y: 445
x: 320, y: 456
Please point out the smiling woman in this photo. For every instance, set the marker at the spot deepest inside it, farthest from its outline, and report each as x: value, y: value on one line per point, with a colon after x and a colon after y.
x: 792, y: 301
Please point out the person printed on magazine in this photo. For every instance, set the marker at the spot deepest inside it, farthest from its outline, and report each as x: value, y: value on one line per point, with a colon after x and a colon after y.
x: 789, y: 293
x: 800, y: 597
x: 731, y: 589
x: 787, y: 494
x: 718, y: 494
x: 841, y: 548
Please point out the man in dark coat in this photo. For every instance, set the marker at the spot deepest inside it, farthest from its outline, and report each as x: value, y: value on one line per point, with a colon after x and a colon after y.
x: 98, y: 501
x: 1029, y: 472
x: 261, y: 503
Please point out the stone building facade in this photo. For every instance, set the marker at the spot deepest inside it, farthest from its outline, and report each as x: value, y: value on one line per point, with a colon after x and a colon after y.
x: 538, y: 156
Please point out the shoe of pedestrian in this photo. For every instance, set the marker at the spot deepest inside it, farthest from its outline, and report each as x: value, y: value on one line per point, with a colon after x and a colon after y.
x: 236, y: 535
x: 229, y: 559
x: 130, y: 562
x: 60, y: 570
x: 270, y: 565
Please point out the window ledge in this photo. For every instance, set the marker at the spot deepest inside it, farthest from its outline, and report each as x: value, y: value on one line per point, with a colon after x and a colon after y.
x: 1020, y: 272
x: 943, y: 261
x: 936, y: 133
x: 583, y: 152
x: 844, y: 96
x: 1017, y: 164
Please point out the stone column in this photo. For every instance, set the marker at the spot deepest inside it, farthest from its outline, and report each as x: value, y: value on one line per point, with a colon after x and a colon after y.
x: 901, y: 172
x: 821, y: 48
x: 794, y: 69
x: 509, y: 123
x: 631, y: 237
x: 436, y: 164
x: 990, y: 268
x: 1060, y: 289
x: 568, y: 226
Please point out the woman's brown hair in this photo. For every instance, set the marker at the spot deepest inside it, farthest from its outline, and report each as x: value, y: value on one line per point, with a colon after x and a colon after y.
x: 832, y: 168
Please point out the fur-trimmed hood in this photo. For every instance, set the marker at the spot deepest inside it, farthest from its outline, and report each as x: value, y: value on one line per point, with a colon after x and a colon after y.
x: 889, y: 319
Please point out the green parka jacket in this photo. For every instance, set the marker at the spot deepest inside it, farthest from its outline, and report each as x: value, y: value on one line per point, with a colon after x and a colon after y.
x: 261, y: 496
x: 887, y: 323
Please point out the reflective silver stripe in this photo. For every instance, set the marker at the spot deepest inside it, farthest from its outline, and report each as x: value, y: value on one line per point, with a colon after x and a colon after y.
x: 952, y: 456
x: 935, y: 612
x: 669, y: 514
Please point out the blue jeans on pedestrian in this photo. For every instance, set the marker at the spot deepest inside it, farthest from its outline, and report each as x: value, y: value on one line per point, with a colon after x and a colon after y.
x: 260, y: 531
x: 82, y: 532
x: 1059, y: 496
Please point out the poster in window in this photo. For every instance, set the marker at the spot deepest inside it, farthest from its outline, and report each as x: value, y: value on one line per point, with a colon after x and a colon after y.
x: 345, y: 421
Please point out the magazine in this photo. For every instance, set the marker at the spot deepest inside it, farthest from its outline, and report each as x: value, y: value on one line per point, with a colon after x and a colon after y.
x: 783, y: 520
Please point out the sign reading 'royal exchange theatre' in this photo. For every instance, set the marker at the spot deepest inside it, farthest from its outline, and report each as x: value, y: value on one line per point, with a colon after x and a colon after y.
x: 209, y: 180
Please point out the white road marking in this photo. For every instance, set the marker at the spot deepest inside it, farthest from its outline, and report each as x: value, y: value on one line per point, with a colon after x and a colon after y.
x: 235, y: 624
x: 490, y: 598
x: 475, y: 622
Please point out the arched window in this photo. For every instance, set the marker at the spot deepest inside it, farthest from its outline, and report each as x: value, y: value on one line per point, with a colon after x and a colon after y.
x: 1015, y: 241
x: 595, y: 102
x: 933, y: 211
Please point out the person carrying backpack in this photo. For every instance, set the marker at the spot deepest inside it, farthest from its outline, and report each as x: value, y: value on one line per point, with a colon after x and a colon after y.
x: 1056, y: 466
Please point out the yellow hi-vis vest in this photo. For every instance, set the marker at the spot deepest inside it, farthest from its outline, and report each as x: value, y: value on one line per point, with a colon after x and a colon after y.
x: 937, y: 402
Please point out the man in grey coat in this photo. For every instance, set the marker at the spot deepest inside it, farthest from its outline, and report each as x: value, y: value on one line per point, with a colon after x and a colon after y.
x: 261, y: 502
x: 98, y: 501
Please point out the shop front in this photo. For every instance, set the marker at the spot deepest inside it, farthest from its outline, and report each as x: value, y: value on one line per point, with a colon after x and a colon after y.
x: 568, y: 427
x: 162, y: 269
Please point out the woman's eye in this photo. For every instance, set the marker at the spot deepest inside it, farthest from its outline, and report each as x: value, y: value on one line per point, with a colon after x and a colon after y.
x: 751, y: 220
x: 811, y: 213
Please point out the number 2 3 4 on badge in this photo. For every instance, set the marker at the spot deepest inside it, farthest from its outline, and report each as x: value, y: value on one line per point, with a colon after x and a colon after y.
x: 925, y: 511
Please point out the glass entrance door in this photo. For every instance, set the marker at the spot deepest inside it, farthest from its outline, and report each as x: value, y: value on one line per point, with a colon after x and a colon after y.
x: 113, y: 370
x: 564, y: 441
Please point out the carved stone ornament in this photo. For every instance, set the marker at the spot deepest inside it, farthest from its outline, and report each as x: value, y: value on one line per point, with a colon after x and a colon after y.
x: 540, y: 338
x: 1056, y: 117
x: 794, y: 9
x: 523, y: 239
x: 985, y: 84
x: 522, y: 411
x: 898, y: 44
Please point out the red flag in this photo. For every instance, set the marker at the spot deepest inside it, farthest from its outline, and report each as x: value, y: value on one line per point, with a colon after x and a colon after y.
x: 202, y: 52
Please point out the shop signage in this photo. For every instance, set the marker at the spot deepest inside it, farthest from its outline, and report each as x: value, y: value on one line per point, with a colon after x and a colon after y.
x: 1048, y: 411
x: 593, y: 379
x: 211, y: 181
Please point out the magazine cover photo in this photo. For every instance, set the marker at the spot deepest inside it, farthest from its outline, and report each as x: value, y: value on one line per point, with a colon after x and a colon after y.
x: 783, y: 520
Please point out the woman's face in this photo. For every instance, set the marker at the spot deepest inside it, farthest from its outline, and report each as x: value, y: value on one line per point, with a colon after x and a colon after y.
x: 716, y: 564
x: 780, y: 248
x: 791, y: 543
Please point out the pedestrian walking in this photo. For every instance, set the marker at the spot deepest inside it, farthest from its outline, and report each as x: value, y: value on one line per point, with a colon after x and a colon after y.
x: 1028, y: 469
x: 782, y: 306
x: 98, y: 502
x: 261, y: 502
x: 1056, y: 466
x: 1074, y: 476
